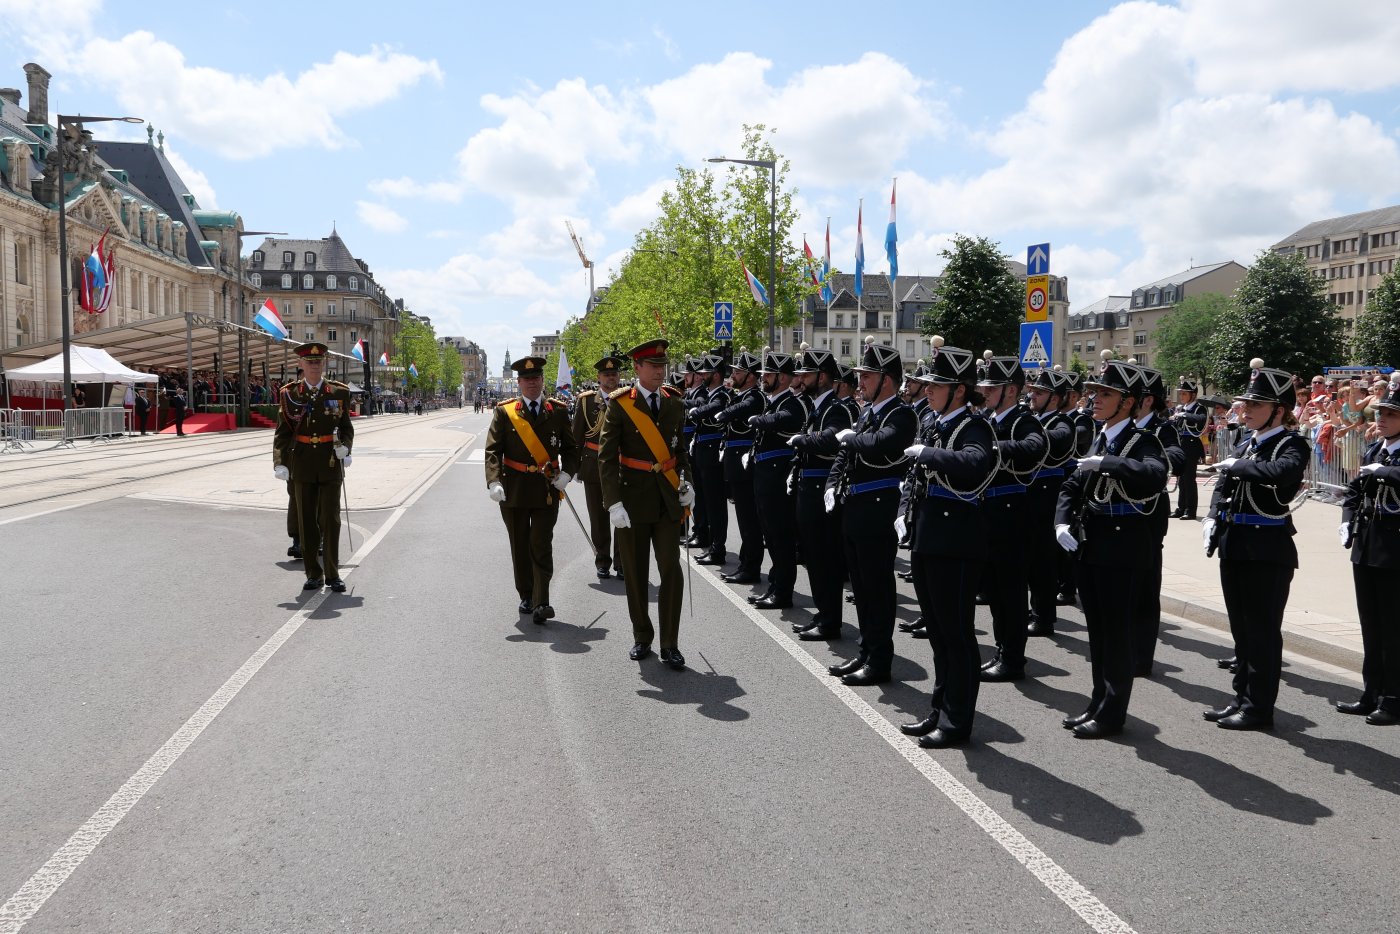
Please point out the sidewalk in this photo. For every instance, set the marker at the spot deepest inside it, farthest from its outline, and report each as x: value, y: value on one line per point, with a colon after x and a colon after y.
x: 1321, y: 620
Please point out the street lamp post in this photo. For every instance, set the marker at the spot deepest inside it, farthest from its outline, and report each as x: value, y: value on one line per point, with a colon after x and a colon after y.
x: 772, y: 166
x: 64, y: 310
x: 243, y: 319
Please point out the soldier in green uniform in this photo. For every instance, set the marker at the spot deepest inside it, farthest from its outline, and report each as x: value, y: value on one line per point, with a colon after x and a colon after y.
x: 587, y: 430
x: 311, y: 447
x: 530, y: 458
x: 645, y: 474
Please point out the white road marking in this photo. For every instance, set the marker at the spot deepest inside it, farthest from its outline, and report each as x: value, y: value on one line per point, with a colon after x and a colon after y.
x: 476, y: 457
x: 25, y: 904
x: 46, y: 512
x: 1064, y: 886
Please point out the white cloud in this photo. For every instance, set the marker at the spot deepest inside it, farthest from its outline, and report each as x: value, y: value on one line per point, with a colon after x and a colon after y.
x: 380, y: 217
x: 668, y: 45
x: 408, y: 188
x: 48, y: 27
x: 640, y: 208
x: 196, y: 181
x: 466, y: 278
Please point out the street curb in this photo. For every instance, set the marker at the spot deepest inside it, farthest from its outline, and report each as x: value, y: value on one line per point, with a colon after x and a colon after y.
x: 1307, y: 646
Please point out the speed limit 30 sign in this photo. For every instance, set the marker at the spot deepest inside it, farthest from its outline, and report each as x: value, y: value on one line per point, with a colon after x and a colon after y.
x: 1037, y: 298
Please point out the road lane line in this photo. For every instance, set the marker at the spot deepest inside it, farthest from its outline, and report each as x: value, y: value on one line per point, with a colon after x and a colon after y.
x: 46, y: 512
x: 1064, y: 886
x: 25, y: 904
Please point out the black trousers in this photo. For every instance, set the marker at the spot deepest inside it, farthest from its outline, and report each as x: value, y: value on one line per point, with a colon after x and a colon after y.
x: 870, y: 560
x: 637, y: 544
x: 952, y: 635
x: 1147, y: 615
x: 699, y: 518
x: 1380, y: 636
x: 777, y: 515
x: 531, y: 534
x: 141, y: 419
x: 293, y: 520
x: 740, y: 482
x: 318, y: 520
x: 1107, y: 595
x: 1006, y: 581
x: 822, y: 554
x: 1256, y: 593
x: 1186, y: 490
x: 1042, y: 551
x: 711, y: 501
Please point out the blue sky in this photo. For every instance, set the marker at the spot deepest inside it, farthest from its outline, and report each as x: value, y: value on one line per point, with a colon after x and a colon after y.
x: 448, y: 147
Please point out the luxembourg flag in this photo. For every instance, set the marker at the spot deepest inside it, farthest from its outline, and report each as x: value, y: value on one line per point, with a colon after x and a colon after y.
x: 826, y: 266
x: 811, y: 262
x: 413, y: 371
x: 384, y: 358
x: 358, y: 351
x: 860, y: 247
x: 270, y: 321
x: 892, y: 241
x: 760, y: 295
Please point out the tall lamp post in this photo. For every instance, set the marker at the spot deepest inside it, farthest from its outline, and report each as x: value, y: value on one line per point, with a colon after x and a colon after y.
x: 772, y: 166
x: 243, y: 320
x: 74, y: 123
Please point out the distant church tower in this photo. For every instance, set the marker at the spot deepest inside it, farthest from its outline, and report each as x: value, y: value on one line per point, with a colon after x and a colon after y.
x: 505, y: 368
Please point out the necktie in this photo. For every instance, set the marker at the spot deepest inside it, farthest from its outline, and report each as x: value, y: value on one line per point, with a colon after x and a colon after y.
x: 534, y: 410
x: 656, y: 407
x: 1101, y: 444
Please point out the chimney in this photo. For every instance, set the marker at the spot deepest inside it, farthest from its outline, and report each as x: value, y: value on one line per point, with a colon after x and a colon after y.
x: 10, y: 94
x: 38, y: 93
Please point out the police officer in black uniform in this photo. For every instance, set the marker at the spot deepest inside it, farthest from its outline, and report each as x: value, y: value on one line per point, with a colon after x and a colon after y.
x: 1151, y: 417
x: 955, y: 459
x: 694, y: 394
x: 865, y: 479
x: 819, y: 530
x: 1086, y: 430
x: 1371, y: 527
x: 1048, y: 389
x: 1112, y: 492
x: 747, y: 401
x: 1251, y: 526
x: 1190, y: 420
x: 711, y: 491
x: 783, y: 416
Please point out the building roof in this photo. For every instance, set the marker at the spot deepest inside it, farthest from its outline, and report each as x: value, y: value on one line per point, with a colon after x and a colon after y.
x: 1347, y: 223
x: 1113, y: 304
x: 332, y: 255
x: 152, y: 174
x: 1195, y: 272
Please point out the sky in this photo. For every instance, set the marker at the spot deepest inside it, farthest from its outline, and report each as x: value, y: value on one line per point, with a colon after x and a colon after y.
x: 449, y: 146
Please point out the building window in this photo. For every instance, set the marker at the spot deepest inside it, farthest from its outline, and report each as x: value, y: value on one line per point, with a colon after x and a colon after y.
x: 330, y: 308
x: 885, y: 322
x: 310, y: 335
x: 310, y: 260
x: 310, y: 308
x: 1122, y: 319
x: 352, y: 310
x: 1077, y: 347
x: 846, y: 347
x: 330, y: 335
x: 1140, y: 339
x: 256, y: 280
x: 308, y: 283
x: 286, y: 281
x: 330, y: 282
x: 1137, y: 301
x: 1169, y: 295
x: 353, y: 337
x: 22, y: 263
x: 258, y: 256
x: 288, y: 258
x: 1090, y: 346
x: 909, y: 349
x: 354, y: 284
x: 840, y: 320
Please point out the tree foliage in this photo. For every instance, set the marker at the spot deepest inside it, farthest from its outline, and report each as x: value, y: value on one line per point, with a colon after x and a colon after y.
x: 451, y: 368
x: 1183, y: 338
x: 1281, y: 314
x: 1376, y: 339
x: 418, y: 345
x: 979, y: 302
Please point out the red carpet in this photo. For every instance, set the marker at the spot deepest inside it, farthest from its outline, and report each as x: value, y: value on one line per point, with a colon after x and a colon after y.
x: 201, y: 424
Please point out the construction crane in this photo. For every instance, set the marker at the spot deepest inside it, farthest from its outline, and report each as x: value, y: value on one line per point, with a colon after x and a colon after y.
x: 587, y: 263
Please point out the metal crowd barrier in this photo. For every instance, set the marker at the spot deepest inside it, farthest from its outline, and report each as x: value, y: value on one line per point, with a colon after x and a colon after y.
x: 102, y: 424
x: 1331, y: 467
x: 23, y: 427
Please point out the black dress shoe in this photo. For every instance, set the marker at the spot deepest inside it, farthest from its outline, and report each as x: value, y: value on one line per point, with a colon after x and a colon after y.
x: 1230, y: 662
x: 336, y: 584
x: 755, y: 597
x: 672, y: 658
x: 1216, y: 714
x: 865, y: 675
x: 1188, y: 516
x: 1382, y: 717
x: 1040, y: 627
x: 1143, y: 671
x: 603, y: 574
x: 942, y: 739
x: 1244, y: 720
x: 1001, y: 671
x: 1359, y: 708
x: 906, y: 575
x: 773, y: 603
x: 920, y: 727
x: 980, y: 599
x: 1093, y: 729
x: 1064, y: 598
x: 526, y: 607
x: 312, y: 583
x: 294, y: 550
x: 910, y: 627
x: 819, y: 634
x: 845, y: 668
x: 812, y: 623
x: 850, y: 598
x: 1070, y: 723
x: 618, y: 572
x: 712, y: 557
x: 920, y: 633
x: 541, y: 613
x: 1177, y: 514
x: 639, y: 652
x: 740, y: 577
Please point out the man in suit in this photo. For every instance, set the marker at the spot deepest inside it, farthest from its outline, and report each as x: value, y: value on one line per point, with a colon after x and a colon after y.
x: 1112, y: 492
x: 646, y: 488
x: 1371, y: 527
x: 179, y: 405
x: 784, y: 414
x: 746, y: 402
x: 1251, y: 527
x: 587, y: 431
x: 530, y: 459
x: 706, y: 457
x: 865, y: 480
x: 311, y: 448
x: 142, y: 404
x: 1190, y: 420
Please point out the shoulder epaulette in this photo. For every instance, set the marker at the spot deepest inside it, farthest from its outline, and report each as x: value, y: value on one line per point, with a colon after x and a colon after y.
x: 671, y: 391
x: 587, y: 392
x: 505, y: 402
x: 619, y: 392
x: 332, y: 384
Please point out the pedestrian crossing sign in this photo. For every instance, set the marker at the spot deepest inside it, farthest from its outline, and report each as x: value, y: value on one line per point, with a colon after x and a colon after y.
x: 1037, y: 341
x: 724, y: 321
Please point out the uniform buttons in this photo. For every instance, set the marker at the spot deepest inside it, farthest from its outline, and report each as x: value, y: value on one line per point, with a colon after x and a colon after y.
x: 1117, y: 528
x: 945, y: 512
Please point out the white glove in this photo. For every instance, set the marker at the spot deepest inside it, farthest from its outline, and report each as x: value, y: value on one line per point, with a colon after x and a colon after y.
x: 829, y: 500
x: 1066, y: 538
x: 1343, y: 531
x: 1090, y: 464
x: 913, y: 450
x: 744, y: 461
x: 1207, y: 531
x: 792, y: 442
x: 1224, y: 466
x: 561, y: 480
x: 752, y: 419
x: 687, y: 495
x: 843, y: 434
x: 496, y: 492
x: 900, y: 527
x: 617, y: 515
x: 346, y: 460
x: 341, y: 451
x: 281, y: 473
x: 1369, y: 469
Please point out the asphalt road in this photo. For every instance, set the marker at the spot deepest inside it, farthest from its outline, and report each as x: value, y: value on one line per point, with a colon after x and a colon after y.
x: 416, y: 756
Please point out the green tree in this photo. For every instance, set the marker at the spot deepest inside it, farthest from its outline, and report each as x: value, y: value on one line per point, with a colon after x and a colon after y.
x: 1376, y: 339
x: 451, y: 368
x: 1183, y: 338
x: 979, y: 301
x: 418, y: 345
x: 1280, y: 313
x: 1077, y: 365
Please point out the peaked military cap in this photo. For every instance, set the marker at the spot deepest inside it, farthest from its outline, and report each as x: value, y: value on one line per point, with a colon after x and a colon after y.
x: 653, y: 350
x: 611, y: 363
x: 951, y: 364
x: 1152, y: 382
x: 1075, y: 381
x: 746, y: 361
x: 877, y: 358
x: 529, y: 366
x: 711, y: 363
x: 1269, y: 385
x: 1052, y: 381
x: 1003, y: 371
x: 1120, y: 376
x: 312, y: 350
x: 845, y: 374
x: 818, y: 361
x: 775, y: 362
x: 1186, y: 384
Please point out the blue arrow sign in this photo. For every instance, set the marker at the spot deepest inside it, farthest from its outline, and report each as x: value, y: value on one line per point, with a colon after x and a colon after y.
x: 1037, y: 343
x: 724, y: 311
x: 1038, y: 259
x: 724, y: 321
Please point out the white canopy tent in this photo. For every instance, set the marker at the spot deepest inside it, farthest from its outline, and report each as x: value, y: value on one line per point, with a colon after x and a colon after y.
x: 86, y: 365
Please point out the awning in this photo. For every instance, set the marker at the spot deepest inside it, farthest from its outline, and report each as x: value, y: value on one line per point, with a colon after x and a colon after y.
x: 85, y: 365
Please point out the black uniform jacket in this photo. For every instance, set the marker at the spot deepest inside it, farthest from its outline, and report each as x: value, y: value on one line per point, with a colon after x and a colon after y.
x: 1251, y: 500
x: 868, y: 462
x: 783, y: 416
x: 1372, y: 507
x: 817, y: 447
x: 960, y: 453
x: 1191, y: 425
x: 1116, y: 527
x: 738, y: 438
x: 1166, y: 435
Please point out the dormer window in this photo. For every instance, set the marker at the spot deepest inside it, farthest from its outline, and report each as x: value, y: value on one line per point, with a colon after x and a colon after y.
x: 286, y: 281
x: 330, y: 282
x: 354, y: 284
x: 307, y: 282
x: 288, y: 258
x: 257, y: 257
x: 310, y: 259
x: 256, y: 280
